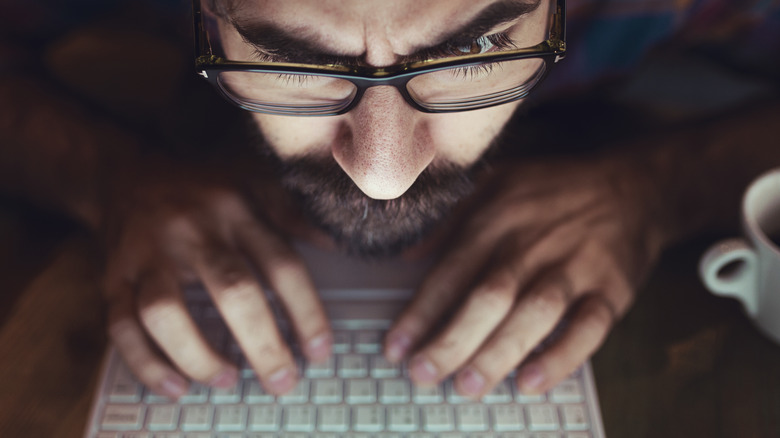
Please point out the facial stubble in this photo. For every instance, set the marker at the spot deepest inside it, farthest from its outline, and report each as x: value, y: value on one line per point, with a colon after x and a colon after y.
x: 368, y: 227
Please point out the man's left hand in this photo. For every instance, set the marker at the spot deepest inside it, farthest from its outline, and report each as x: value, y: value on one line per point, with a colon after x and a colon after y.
x: 546, y: 262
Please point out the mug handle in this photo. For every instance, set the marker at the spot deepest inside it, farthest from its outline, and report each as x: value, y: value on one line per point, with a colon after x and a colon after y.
x: 740, y: 281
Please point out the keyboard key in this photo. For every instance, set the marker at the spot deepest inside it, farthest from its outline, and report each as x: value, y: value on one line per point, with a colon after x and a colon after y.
x: 368, y: 342
x: 299, y: 418
x: 170, y: 435
x: 382, y: 368
x: 320, y: 370
x: 420, y: 435
x: 226, y: 395
x: 342, y: 342
x: 542, y: 417
x: 575, y: 417
x: 230, y: 418
x: 333, y: 419
x: 568, y: 391
x: 501, y: 393
x: 196, y: 417
x: 361, y: 391
x: 292, y: 435
x: 123, y: 387
x: 530, y: 398
x: 122, y: 417
x: 327, y: 391
x: 482, y: 435
x: 438, y: 418
x: 402, y: 418
x: 162, y: 417
x: 578, y: 435
x: 197, y: 393
x: 472, y: 417
x: 453, y: 435
x: 264, y: 418
x: 452, y: 394
x: 299, y: 394
x: 507, y: 417
x: 255, y: 394
x: 135, y: 435
x: 434, y: 394
x: 368, y: 418
x: 394, y: 391
x: 352, y: 365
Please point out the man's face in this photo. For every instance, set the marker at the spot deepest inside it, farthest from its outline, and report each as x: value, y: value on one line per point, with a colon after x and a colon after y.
x: 363, y: 163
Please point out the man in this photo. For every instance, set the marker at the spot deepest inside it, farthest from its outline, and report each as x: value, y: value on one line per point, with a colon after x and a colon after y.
x: 533, y: 247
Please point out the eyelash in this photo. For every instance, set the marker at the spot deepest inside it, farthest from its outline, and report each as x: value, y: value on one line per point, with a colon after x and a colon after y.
x: 499, y: 41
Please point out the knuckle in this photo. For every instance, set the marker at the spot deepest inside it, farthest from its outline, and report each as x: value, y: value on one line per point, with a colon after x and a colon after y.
x: 180, y: 225
x: 510, y: 346
x: 599, y: 314
x: 551, y: 302
x: 498, y: 292
x: 156, y: 316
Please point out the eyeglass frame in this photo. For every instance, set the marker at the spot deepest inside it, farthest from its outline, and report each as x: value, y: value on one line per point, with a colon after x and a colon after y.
x: 364, y: 77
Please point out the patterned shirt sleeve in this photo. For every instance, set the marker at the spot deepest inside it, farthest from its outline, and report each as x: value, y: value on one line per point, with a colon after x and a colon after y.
x: 607, y: 38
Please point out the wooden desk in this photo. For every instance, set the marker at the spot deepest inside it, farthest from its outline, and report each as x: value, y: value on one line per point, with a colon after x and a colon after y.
x: 681, y: 364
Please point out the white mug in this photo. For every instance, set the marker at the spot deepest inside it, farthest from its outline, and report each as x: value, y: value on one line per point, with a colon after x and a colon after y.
x: 749, y: 268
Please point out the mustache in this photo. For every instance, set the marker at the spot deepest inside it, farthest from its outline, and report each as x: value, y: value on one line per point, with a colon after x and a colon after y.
x: 366, y: 227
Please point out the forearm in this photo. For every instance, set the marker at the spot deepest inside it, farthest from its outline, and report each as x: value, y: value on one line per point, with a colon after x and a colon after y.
x: 696, y: 177
x: 54, y: 152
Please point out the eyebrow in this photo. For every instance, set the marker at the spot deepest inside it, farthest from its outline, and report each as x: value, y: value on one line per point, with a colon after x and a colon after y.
x: 293, y: 44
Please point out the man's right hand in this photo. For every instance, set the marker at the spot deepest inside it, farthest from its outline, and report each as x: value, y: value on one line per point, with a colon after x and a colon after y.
x: 164, y: 231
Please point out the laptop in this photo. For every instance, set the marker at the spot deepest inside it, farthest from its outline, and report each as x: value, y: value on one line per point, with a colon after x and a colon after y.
x: 356, y: 394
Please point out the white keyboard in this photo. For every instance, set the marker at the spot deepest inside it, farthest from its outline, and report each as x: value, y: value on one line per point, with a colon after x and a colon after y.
x: 356, y: 394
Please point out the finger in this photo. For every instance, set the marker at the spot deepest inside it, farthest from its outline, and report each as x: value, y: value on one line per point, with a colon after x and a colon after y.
x: 437, y: 295
x: 483, y: 310
x: 587, y: 329
x: 288, y: 276
x: 534, y: 316
x: 130, y: 340
x: 163, y: 313
x: 489, y: 303
x: 241, y: 301
x: 445, y: 284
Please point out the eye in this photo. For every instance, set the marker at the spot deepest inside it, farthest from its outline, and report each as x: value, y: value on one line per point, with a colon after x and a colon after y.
x: 479, y: 45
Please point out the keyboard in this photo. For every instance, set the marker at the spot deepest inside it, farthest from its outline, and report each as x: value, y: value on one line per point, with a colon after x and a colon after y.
x: 357, y: 393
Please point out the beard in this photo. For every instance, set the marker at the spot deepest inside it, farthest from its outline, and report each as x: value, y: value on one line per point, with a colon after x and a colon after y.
x: 367, y: 227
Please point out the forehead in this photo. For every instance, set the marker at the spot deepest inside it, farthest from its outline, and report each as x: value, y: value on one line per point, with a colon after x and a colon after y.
x: 352, y: 26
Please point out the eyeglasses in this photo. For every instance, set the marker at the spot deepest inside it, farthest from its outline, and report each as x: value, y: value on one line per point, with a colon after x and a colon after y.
x: 440, y: 85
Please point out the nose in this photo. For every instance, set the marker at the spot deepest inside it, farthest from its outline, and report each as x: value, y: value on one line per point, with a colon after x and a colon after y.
x: 387, y: 144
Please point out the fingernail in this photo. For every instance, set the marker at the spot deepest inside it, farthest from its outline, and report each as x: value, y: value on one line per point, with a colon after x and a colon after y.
x: 531, y: 377
x: 319, y: 347
x: 423, y: 371
x: 281, y: 381
x: 174, y: 386
x: 471, y: 382
x: 226, y: 379
x: 397, y: 346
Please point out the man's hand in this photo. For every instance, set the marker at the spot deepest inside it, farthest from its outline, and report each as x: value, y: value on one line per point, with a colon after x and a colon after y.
x: 543, y: 246
x: 163, y: 232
